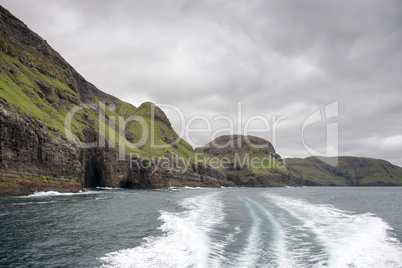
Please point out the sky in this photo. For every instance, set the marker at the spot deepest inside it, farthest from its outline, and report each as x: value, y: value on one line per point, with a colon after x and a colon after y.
x: 286, y: 64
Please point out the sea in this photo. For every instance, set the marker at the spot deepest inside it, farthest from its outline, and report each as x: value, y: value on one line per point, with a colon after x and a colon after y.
x: 201, y: 227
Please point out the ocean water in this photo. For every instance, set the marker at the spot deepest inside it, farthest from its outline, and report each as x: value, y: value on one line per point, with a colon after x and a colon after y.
x: 194, y: 227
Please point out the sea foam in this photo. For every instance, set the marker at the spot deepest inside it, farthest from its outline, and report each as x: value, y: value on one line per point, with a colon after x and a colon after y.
x: 349, y: 239
x: 185, y: 241
x: 50, y: 193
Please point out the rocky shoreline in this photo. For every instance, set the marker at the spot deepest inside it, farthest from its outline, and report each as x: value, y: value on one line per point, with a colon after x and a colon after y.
x: 24, y: 187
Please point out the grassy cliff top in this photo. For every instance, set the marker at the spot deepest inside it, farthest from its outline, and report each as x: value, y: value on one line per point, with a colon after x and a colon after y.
x: 242, y: 156
x: 228, y: 145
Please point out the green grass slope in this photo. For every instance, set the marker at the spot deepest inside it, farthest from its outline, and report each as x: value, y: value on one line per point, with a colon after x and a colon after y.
x: 157, y: 133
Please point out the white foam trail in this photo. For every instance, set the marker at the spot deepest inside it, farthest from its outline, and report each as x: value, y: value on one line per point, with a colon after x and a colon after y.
x: 350, y: 240
x: 185, y: 241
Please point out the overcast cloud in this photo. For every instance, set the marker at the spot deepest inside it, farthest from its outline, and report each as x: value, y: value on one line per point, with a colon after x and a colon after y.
x: 278, y: 58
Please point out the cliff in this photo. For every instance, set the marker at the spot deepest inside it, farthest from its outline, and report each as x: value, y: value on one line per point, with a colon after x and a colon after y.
x: 59, y: 129
x: 246, y: 161
x: 350, y: 171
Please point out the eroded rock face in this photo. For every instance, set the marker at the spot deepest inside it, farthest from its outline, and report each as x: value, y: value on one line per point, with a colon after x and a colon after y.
x: 28, y: 150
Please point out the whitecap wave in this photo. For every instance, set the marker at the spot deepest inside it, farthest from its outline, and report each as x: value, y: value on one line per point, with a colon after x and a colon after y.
x: 197, y: 187
x: 55, y: 193
x: 174, y: 188
x: 51, y: 193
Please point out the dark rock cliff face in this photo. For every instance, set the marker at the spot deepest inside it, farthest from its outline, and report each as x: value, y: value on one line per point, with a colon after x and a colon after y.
x: 27, y: 150
x: 104, y: 169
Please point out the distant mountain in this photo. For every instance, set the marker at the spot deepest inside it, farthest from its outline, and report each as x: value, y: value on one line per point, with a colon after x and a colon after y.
x: 247, y: 161
x: 351, y: 171
x: 39, y: 89
x: 252, y: 161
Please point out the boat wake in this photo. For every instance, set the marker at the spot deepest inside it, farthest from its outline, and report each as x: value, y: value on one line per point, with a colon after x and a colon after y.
x: 185, y: 241
x: 262, y: 231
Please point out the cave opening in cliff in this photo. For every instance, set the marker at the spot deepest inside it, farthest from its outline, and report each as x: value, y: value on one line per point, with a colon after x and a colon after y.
x: 129, y: 185
x: 96, y: 180
x: 93, y: 177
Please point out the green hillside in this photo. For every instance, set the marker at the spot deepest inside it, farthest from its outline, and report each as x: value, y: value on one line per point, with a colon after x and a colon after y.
x: 246, y: 160
x: 357, y: 171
